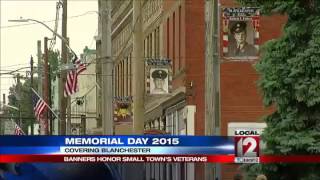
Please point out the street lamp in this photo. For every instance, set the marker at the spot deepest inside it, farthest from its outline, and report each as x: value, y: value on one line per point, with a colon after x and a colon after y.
x: 61, y: 37
x: 65, y: 42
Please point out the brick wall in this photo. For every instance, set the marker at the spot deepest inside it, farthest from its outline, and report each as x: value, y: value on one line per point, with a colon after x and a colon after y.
x: 184, y: 43
x: 187, y: 50
x: 240, y: 98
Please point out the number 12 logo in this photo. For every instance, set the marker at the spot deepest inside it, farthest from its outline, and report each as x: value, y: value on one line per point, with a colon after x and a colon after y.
x: 247, y: 146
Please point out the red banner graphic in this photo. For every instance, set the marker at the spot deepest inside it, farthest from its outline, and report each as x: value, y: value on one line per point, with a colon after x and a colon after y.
x: 153, y: 158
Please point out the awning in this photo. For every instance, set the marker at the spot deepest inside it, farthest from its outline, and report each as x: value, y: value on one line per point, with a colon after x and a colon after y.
x: 156, y: 104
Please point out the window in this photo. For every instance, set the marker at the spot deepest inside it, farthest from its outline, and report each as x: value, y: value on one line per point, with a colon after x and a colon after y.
x: 153, y: 44
x: 175, y: 116
x: 156, y: 124
x: 179, y: 40
x: 174, y: 42
x: 126, y: 76
x: 114, y: 73
x: 130, y: 75
x: 122, y: 78
x: 168, y: 38
x: 157, y: 42
x: 181, y: 122
x: 150, y: 45
x: 145, y: 48
x: 169, y: 123
x: 118, y: 81
x: 174, y: 122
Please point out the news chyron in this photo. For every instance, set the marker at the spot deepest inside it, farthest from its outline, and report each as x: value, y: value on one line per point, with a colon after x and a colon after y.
x: 247, y: 146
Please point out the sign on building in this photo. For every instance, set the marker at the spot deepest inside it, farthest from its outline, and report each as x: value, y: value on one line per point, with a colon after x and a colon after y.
x: 159, y: 76
x: 240, y: 33
x: 236, y: 126
x: 122, y: 110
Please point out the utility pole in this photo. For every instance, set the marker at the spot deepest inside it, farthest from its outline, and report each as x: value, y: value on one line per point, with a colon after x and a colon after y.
x: 2, y: 120
x: 99, y: 71
x: 62, y: 80
x: 44, y: 124
x: 107, y: 67
x: 3, y: 99
x: 138, y: 70
x: 212, y: 82
x: 19, y: 98
x: 68, y: 104
x: 31, y: 84
x: 99, y: 78
x: 50, y: 120
x: 39, y: 70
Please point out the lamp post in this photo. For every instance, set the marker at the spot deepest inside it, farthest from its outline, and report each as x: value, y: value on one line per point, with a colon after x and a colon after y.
x: 33, y: 20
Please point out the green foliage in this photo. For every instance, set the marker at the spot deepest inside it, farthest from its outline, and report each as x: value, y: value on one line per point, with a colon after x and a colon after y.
x: 53, y: 58
x: 290, y: 80
x: 20, y: 96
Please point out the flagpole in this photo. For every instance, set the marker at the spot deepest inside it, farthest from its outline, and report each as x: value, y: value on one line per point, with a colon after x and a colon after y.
x: 45, y: 104
x: 18, y: 126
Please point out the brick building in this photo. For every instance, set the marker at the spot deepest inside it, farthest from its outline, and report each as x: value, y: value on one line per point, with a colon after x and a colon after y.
x: 241, y: 101
x: 167, y: 25
x: 175, y: 30
x: 181, y: 29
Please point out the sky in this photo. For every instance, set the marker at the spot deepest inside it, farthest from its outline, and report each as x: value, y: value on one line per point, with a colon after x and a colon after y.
x: 19, y: 41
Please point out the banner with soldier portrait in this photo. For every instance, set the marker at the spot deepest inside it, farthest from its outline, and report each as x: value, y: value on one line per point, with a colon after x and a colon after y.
x: 240, y: 33
x: 122, y: 107
x: 158, y: 76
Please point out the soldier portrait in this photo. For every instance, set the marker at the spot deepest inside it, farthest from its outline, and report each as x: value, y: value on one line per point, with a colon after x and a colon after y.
x: 74, y: 131
x: 241, y: 40
x: 159, y: 81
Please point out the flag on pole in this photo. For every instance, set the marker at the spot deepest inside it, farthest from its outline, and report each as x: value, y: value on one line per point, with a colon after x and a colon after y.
x: 18, y: 130
x: 37, y: 99
x: 71, y: 85
x: 39, y: 105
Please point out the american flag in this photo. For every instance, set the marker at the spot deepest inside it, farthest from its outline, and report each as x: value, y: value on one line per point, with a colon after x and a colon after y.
x: 71, y: 85
x: 39, y: 106
x: 18, y: 130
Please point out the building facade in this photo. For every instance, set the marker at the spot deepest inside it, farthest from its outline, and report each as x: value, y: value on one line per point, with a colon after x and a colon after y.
x: 122, y: 46
x: 172, y: 30
x: 175, y: 30
x: 83, y: 103
x: 240, y: 100
x: 180, y: 28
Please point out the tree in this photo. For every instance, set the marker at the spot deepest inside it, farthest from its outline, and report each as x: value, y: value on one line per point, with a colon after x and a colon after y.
x: 20, y: 96
x: 290, y: 81
x: 53, y: 58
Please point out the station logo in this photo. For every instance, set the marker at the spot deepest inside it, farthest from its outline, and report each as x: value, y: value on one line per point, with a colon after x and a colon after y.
x: 247, y: 146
